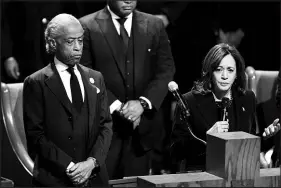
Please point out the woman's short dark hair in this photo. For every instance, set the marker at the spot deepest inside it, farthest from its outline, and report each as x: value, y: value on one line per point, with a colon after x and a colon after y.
x: 211, y: 63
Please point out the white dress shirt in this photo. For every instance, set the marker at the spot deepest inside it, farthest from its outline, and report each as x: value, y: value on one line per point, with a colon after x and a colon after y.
x: 65, y: 77
x: 228, y: 95
x: 127, y: 23
x: 128, y: 26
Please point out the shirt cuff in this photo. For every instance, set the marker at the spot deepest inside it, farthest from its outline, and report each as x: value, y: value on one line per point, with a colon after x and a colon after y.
x: 115, y: 105
x: 94, y: 160
x: 71, y: 164
x: 148, y: 102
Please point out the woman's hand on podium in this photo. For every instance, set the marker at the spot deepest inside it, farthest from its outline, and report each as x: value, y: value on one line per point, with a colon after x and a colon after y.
x: 219, y: 127
x: 272, y: 129
x: 263, y: 162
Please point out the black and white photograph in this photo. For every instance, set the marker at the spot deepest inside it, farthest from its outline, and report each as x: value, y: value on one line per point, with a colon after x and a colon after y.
x: 129, y: 93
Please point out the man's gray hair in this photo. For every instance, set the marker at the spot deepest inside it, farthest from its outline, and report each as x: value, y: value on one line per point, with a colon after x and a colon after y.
x: 54, y: 29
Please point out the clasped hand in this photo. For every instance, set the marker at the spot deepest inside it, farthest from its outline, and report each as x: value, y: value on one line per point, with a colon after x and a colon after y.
x: 132, y: 111
x: 80, y: 172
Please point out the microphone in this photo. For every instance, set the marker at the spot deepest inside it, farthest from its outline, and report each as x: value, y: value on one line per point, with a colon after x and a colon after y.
x: 174, y: 89
x: 225, y: 104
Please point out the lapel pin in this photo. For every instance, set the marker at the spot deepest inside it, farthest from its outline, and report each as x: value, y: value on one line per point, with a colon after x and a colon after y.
x: 243, y: 109
x: 149, y: 50
x: 92, y: 81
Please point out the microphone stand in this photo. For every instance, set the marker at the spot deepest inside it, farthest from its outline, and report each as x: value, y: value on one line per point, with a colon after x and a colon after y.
x: 185, y: 114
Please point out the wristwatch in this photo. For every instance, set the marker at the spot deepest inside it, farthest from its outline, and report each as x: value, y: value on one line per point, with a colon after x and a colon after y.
x: 96, y: 170
x: 144, y: 104
x: 97, y: 166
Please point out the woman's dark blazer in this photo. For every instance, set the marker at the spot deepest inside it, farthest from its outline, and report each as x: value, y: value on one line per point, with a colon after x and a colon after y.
x: 203, y: 115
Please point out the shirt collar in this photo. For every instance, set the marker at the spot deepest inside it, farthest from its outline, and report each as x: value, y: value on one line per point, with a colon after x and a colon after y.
x: 228, y: 95
x: 61, y: 66
x: 114, y: 16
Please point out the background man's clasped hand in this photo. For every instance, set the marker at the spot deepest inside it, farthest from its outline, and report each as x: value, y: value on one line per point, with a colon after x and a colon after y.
x: 131, y: 111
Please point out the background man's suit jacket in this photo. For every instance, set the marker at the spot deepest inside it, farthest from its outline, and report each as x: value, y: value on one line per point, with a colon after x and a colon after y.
x: 153, y: 61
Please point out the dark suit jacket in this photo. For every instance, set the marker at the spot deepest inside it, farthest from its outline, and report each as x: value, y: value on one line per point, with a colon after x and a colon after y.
x: 153, y: 61
x: 203, y: 115
x: 47, y: 111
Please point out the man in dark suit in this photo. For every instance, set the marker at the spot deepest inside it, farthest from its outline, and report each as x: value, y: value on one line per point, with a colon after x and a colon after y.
x: 132, y: 51
x: 66, y: 115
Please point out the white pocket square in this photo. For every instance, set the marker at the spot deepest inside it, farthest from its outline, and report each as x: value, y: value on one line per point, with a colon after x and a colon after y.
x: 98, y: 90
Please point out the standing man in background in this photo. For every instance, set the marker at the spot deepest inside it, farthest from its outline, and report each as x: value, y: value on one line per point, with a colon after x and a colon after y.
x: 132, y: 50
x: 66, y: 115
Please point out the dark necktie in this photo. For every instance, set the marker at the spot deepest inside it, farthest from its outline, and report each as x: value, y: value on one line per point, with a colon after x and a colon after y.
x: 123, y: 33
x: 76, y: 94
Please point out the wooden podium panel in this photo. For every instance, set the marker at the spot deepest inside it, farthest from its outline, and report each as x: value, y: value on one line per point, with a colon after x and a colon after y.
x: 125, y: 182
x: 233, y: 155
x: 199, y: 179
x: 232, y: 161
x: 268, y: 178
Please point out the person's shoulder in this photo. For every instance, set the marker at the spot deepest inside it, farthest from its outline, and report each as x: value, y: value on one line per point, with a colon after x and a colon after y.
x: 189, y: 95
x: 152, y: 18
x: 89, y: 17
x: 39, y: 74
x: 92, y: 72
x: 247, y: 94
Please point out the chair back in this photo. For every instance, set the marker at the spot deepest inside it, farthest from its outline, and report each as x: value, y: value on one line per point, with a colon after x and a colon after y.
x: 12, y: 111
x: 264, y: 84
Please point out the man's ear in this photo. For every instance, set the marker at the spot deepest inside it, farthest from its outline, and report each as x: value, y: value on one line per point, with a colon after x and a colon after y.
x: 53, y: 43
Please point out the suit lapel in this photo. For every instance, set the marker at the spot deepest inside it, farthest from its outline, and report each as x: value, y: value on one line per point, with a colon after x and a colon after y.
x: 55, y: 84
x: 240, y: 110
x: 109, y: 31
x: 208, y: 109
x: 90, y: 92
x: 139, y: 28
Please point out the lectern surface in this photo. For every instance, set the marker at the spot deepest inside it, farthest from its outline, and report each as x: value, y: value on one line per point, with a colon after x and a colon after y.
x: 201, y: 179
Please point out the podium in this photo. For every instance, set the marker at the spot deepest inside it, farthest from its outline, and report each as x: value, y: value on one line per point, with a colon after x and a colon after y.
x: 232, y: 160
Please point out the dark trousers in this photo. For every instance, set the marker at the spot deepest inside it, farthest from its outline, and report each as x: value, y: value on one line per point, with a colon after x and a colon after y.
x: 122, y: 160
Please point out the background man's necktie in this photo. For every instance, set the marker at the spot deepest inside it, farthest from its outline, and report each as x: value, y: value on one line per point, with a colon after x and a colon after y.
x: 77, y: 99
x: 123, y: 33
